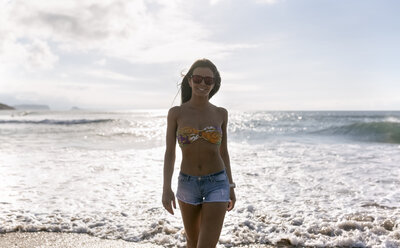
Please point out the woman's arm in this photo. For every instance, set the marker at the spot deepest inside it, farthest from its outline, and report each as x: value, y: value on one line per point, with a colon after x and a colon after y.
x: 225, y: 157
x: 168, y: 196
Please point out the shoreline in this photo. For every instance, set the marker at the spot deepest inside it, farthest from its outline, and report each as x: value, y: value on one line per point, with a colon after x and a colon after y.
x: 74, y: 240
x: 63, y: 240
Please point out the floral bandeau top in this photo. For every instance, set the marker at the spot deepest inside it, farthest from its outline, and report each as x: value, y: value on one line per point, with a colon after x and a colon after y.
x: 188, y: 135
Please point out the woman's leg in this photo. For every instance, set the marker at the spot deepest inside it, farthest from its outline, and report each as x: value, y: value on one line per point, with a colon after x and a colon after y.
x: 191, y: 215
x: 212, y: 219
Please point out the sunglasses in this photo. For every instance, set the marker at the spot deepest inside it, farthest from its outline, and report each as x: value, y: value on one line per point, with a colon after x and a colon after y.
x: 207, y: 80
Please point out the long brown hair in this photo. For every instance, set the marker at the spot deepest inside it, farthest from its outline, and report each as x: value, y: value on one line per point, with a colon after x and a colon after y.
x: 186, y: 90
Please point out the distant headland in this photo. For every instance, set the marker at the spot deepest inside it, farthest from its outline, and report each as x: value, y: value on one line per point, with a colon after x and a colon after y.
x: 5, y: 107
x: 31, y: 107
x: 24, y: 107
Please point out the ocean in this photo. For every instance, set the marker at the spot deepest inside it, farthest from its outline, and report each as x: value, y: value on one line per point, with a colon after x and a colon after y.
x: 312, y: 178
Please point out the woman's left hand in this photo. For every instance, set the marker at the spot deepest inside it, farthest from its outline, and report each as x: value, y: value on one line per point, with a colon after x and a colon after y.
x: 232, y: 201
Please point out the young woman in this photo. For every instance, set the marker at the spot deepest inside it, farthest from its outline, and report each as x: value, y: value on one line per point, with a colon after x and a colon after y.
x: 205, y: 186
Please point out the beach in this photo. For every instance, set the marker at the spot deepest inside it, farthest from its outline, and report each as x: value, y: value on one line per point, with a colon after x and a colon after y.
x: 73, y: 240
x: 308, y: 179
x: 63, y: 240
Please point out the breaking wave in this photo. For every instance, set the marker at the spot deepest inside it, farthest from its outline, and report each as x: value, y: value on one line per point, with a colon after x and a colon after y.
x: 387, y: 132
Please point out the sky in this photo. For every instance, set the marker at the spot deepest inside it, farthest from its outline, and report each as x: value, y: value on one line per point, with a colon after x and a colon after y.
x: 271, y: 54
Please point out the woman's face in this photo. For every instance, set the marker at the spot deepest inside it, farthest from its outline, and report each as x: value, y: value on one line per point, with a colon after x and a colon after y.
x: 200, y: 81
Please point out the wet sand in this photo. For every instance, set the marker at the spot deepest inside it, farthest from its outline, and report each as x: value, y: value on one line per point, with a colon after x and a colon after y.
x: 62, y: 240
x: 72, y: 240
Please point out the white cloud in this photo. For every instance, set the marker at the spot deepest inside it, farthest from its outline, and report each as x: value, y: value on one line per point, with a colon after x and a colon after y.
x: 110, y: 75
x: 101, y: 62
x: 139, y: 31
x: 74, y: 93
x: 214, y: 2
x: 268, y: 1
x: 39, y: 55
x: 31, y: 55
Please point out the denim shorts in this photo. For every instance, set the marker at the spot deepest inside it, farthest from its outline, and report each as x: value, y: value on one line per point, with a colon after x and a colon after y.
x: 196, y: 190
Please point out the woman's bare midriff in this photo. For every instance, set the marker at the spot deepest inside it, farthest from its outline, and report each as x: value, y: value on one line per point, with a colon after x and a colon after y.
x: 201, y: 158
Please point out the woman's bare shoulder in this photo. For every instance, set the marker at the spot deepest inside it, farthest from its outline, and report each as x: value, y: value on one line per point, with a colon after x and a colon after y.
x: 174, y: 111
x: 222, y: 111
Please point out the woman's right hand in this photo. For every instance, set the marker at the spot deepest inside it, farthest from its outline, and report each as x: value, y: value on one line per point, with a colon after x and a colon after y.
x: 168, y: 197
